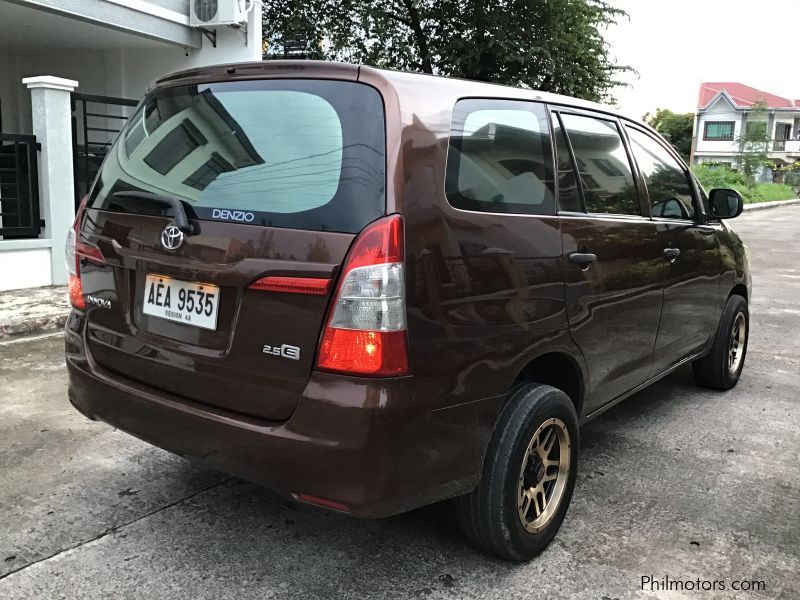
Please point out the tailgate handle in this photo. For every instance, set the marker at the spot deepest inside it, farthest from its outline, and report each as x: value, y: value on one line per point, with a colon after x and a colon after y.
x: 181, y: 220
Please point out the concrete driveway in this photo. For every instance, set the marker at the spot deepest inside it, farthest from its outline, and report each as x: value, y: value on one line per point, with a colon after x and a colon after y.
x: 676, y: 482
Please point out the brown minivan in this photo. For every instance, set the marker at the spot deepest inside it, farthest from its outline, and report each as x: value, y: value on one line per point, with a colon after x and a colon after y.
x: 371, y: 290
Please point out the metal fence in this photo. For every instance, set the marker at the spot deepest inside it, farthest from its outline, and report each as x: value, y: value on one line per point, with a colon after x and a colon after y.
x: 96, y: 123
x: 19, y: 187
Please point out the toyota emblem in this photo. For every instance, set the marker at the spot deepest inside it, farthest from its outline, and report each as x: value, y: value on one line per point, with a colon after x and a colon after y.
x: 171, y: 237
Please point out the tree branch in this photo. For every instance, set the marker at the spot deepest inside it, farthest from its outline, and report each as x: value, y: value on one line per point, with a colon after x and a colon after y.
x: 422, y: 41
x: 399, y: 18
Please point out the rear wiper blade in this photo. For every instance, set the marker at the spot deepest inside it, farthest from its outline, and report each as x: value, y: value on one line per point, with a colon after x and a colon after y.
x: 181, y: 220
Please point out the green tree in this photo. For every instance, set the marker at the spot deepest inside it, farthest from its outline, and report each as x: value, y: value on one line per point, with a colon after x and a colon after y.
x: 551, y: 45
x: 675, y: 127
x: 753, y: 143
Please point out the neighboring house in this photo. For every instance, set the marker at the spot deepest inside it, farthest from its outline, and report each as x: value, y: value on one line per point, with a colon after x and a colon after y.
x: 71, y: 73
x: 723, y: 112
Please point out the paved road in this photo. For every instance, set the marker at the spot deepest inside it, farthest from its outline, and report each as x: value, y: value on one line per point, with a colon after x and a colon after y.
x: 676, y: 482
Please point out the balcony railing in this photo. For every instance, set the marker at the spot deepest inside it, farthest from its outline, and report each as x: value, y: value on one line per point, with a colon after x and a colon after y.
x: 789, y: 146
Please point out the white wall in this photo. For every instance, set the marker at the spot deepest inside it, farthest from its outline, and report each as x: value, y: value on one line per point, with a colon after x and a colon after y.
x: 24, y: 268
x: 140, y: 67
x: 711, y: 158
x: 89, y: 67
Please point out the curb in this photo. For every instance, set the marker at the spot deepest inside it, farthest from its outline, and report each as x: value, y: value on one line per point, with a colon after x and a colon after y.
x: 29, y: 327
x: 775, y: 204
x: 32, y: 311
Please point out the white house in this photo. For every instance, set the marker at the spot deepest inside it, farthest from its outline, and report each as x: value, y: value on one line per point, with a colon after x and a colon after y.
x: 723, y: 112
x: 70, y: 73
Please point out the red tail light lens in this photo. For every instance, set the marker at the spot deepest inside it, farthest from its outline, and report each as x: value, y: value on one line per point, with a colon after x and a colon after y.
x: 75, y: 292
x: 380, y: 242
x: 365, y: 333
x: 378, y: 353
x: 75, y: 248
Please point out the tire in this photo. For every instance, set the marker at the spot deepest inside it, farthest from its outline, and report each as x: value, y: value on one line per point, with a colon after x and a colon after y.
x: 534, y: 417
x: 720, y: 369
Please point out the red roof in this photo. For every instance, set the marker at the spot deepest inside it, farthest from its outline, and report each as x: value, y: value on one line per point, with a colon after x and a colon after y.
x: 742, y: 95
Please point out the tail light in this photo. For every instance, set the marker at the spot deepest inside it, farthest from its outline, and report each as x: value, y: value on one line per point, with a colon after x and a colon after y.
x: 365, y: 332
x: 75, y: 248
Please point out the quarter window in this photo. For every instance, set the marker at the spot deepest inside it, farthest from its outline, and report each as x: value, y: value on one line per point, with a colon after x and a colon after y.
x: 668, y: 186
x: 718, y: 130
x: 499, y: 159
x: 603, y: 165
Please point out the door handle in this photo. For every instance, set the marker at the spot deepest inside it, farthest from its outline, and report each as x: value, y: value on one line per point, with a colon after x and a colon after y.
x: 582, y: 259
x: 671, y: 254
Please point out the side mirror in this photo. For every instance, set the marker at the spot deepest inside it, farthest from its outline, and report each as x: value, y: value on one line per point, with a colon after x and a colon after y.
x: 725, y: 203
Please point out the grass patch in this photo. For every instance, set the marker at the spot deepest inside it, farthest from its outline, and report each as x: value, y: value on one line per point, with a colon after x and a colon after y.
x: 767, y: 192
x: 723, y: 177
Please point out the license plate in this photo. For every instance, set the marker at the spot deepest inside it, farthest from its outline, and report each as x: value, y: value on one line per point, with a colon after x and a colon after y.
x: 181, y: 301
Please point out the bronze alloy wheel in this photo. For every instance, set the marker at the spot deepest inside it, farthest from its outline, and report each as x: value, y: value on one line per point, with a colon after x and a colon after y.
x: 736, y: 348
x: 543, y: 476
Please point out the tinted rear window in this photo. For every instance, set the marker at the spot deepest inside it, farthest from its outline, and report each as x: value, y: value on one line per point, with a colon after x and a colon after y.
x: 301, y: 154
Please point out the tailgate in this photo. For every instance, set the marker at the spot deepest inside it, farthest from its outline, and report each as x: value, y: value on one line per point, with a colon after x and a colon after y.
x: 276, y: 178
x: 233, y: 365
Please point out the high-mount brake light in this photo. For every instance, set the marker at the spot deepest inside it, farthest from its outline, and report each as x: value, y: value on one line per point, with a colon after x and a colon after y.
x: 293, y: 285
x: 365, y: 332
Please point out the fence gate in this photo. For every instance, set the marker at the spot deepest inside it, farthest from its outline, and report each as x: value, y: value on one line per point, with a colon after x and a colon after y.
x: 96, y: 123
x: 19, y: 187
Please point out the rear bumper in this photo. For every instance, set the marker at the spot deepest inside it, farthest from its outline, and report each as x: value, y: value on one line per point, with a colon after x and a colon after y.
x: 367, y: 444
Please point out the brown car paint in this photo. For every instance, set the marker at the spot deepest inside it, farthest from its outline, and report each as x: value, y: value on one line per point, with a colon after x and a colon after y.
x: 490, y: 298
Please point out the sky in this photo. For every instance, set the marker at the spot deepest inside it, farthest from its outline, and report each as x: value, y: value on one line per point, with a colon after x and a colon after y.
x: 676, y: 44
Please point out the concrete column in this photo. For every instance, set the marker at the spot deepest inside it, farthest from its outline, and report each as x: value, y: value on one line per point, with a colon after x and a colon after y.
x: 51, y: 117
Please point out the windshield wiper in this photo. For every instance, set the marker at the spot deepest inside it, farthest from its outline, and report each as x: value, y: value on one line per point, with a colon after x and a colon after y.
x: 181, y: 220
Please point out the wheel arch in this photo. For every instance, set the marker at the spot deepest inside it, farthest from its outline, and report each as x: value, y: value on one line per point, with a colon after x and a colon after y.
x: 740, y: 289
x: 559, y: 370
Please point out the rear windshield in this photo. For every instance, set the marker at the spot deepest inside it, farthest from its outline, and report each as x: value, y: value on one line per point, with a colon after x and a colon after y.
x: 303, y: 154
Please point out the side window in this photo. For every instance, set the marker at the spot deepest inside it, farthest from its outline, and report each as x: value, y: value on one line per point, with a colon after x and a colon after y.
x: 568, y: 197
x: 603, y: 165
x: 499, y: 159
x: 668, y: 184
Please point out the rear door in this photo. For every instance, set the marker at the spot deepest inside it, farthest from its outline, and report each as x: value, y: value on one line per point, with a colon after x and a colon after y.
x: 692, y: 264
x: 612, y: 259
x: 277, y: 177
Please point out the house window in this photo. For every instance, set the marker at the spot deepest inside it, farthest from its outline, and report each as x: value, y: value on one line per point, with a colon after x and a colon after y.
x: 756, y: 129
x: 783, y: 131
x: 174, y: 147
x: 719, y: 130
x: 208, y: 172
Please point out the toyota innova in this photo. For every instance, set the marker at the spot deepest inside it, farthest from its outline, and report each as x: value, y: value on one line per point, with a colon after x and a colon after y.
x: 370, y: 290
